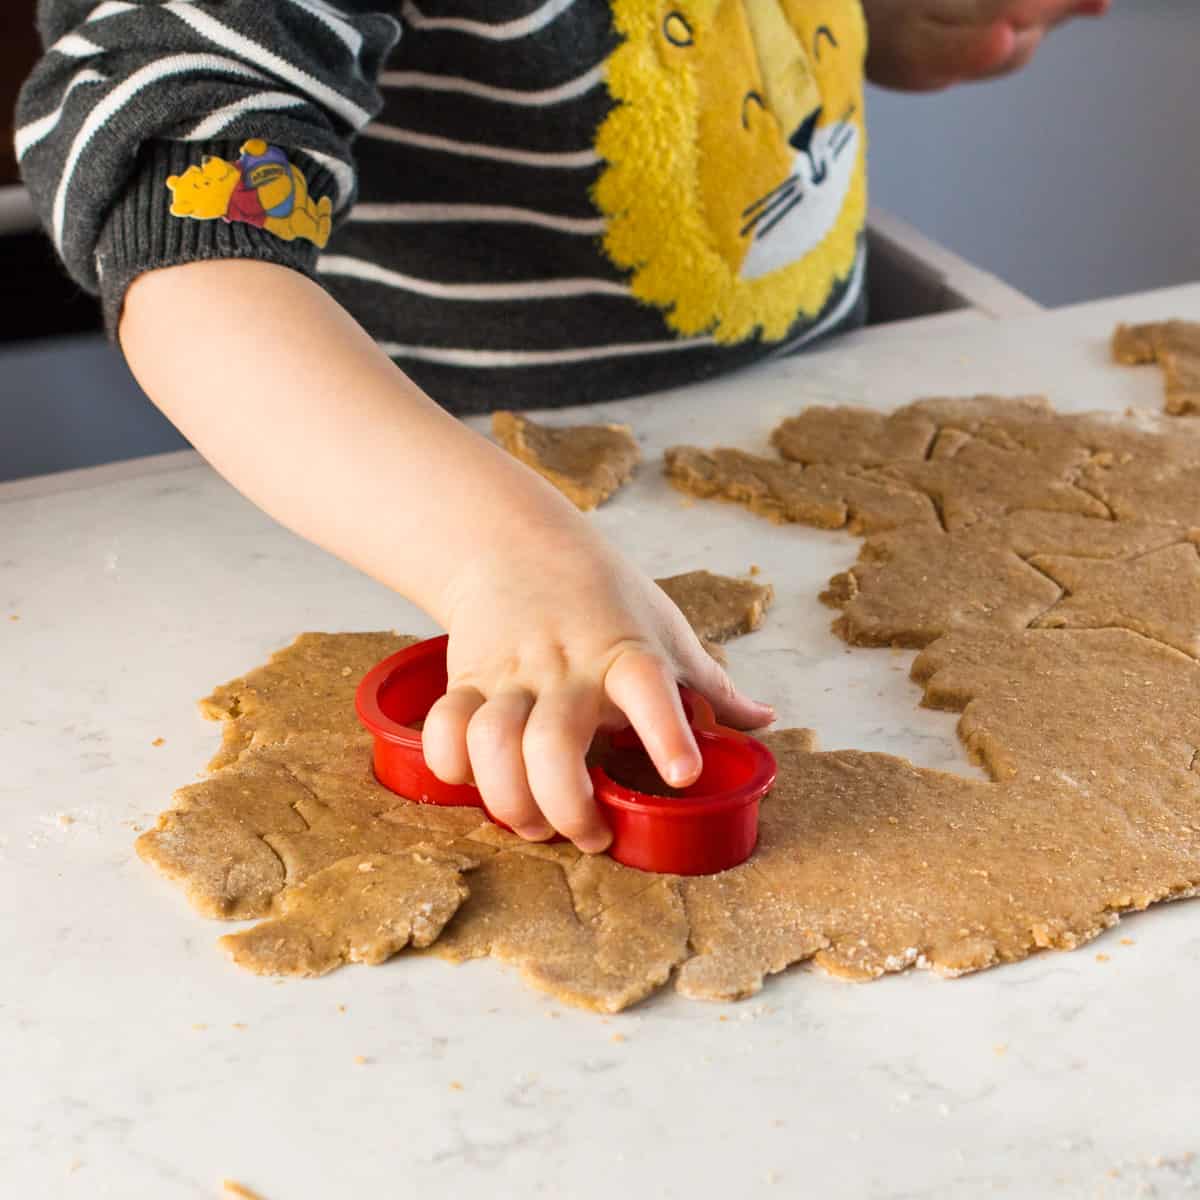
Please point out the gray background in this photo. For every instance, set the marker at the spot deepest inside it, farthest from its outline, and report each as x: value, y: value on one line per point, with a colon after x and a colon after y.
x: 1077, y: 178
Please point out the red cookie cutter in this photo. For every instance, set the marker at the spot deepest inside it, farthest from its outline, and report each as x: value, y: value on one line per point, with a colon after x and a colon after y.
x: 699, y: 830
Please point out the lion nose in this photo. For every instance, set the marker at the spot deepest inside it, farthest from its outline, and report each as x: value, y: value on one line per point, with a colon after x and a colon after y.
x: 801, y: 140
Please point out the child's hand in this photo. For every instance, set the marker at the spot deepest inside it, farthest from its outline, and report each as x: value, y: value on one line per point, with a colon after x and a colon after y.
x: 922, y: 45
x: 551, y: 640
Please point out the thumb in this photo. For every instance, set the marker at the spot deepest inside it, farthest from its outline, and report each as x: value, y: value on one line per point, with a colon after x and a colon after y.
x: 705, y: 675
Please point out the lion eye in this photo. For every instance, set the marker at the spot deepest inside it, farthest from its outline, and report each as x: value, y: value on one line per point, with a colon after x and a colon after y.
x: 823, y: 31
x: 676, y: 29
x: 751, y: 98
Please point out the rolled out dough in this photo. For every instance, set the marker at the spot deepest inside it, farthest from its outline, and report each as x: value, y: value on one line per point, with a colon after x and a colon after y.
x: 1053, y: 594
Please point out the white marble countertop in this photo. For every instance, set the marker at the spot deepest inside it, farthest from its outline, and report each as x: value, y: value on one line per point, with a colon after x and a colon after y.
x: 137, y: 1062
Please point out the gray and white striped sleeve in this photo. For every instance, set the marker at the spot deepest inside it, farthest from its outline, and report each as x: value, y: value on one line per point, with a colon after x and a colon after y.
x: 129, y: 92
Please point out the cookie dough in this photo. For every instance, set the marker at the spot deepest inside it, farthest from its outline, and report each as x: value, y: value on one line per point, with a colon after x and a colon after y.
x: 866, y: 864
x: 1175, y: 346
x: 719, y: 608
x: 1181, y: 374
x: 587, y: 463
x: 820, y: 495
x: 859, y: 437
x: 985, y: 579
x: 1155, y: 594
x: 363, y: 908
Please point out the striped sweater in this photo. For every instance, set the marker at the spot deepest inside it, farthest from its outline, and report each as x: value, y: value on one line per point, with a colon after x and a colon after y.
x: 533, y: 202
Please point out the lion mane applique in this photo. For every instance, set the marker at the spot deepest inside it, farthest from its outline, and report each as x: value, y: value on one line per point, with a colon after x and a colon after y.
x: 735, y: 185
x: 261, y: 188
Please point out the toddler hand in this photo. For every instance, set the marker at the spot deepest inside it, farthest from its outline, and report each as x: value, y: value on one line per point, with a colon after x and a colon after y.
x: 922, y: 45
x: 552, y: 639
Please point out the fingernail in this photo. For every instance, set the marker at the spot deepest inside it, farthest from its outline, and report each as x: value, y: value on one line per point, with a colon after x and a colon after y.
x: 539, y: 831
x: 683, y: 770
x: 595, y: 843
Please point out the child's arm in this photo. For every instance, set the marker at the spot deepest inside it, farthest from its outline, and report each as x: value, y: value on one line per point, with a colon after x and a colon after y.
x: 552, y: 632
x: 923, y: 45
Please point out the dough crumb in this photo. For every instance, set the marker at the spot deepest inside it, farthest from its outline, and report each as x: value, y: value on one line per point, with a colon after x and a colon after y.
x: 1127, y: 941
x: 455, y: 1086
x: 619, y: 1038
x: 159, y: 742
x: 361, y: 1060
x: 1102, y: 958
x: 240, y: 1190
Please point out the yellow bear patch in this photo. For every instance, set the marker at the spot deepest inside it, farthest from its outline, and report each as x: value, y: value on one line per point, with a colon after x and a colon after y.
x: 261, y: 188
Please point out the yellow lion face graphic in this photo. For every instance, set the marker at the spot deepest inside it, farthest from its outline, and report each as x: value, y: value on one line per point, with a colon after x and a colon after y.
x: 735, y: 189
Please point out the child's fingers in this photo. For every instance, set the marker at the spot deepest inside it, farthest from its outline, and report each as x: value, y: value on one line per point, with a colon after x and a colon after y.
x: 948, y: 52
x: 1030, y: 14
x: 494, y: 743
x: 644, y: 689
x: 732, y: 708
x: 444, y: 737
x: 1025, y: 46
x: 557, y: 736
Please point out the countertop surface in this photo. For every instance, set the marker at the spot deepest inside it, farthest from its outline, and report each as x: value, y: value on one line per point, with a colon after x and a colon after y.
x: 138, y: 1062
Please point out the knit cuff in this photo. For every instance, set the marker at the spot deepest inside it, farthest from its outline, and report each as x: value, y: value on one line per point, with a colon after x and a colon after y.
x: 141, y: 235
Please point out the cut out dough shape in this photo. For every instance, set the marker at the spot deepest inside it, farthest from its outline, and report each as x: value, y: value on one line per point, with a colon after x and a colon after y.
x: 717, y: 607
x: 866, y: 864
x: 983, y: 578
x: 587, y: 463
x: 1156, y: 594
x: 783, y: 492
x: 970, y: 478
x: 1175, y: 346
x: 858, y: 437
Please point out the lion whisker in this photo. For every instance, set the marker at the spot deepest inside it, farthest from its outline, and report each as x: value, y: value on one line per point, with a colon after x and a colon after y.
x: 783, y: 212
x: 842, y: 140
x: 769, y: 196
x: 782, y: 198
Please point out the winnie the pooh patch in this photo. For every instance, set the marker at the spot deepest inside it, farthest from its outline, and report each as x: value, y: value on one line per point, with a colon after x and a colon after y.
x: 735, y: 189
x: 261, y: 188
